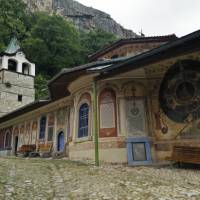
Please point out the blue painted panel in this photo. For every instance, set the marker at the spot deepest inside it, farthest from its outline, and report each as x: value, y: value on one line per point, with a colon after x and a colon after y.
x: 61, y: 142
x: 130, y: 146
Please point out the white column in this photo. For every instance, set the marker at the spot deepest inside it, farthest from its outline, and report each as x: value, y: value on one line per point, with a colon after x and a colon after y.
x: 19, y: 67
x: 5, y: 62
x: 55, y: 132
x: 32, y: 69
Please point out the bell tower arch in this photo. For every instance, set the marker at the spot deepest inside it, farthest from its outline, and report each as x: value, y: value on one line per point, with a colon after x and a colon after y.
x: 16, y: 79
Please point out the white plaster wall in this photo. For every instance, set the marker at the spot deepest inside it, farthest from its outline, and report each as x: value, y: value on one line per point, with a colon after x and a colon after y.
x: 83, y: 154
x: 114, y: 155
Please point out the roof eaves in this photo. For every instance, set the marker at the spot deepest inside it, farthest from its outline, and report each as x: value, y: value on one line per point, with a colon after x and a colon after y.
x: 85, y: 67
x: 126, y: 40
x: 154, y: 51
x: 17, y: 111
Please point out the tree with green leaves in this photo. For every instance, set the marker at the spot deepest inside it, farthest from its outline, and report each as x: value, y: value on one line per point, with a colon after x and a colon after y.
x: 12, y: 16
x: 95, y: 40
x: 41, y: 89
x: 53, y: 44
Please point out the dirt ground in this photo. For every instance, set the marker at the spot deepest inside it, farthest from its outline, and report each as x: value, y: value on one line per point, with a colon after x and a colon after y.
x: 61, y: 179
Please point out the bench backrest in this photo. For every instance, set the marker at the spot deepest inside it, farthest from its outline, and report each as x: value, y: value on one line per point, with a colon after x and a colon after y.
x: 44, y: 147
x: 187, y: 154
x: 27, y: 147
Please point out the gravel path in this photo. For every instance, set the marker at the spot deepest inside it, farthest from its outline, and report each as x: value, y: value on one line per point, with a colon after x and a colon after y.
x: 44, y: 179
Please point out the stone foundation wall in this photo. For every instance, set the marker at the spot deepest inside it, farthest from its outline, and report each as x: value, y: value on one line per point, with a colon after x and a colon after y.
x: 5, y: 153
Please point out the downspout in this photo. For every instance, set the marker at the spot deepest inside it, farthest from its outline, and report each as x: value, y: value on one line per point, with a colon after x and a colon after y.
x: 96, y: 137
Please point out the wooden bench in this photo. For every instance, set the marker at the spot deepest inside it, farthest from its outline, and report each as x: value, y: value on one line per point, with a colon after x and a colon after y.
x: 45, y: 149
x: 186, y: 154
x: 26, y: 149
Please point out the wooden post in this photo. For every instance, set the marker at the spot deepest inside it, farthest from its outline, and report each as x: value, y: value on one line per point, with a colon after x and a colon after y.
x: 96, y: 137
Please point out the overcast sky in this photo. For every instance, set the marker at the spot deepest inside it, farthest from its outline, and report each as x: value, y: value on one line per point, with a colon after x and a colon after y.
x: 154, y: 17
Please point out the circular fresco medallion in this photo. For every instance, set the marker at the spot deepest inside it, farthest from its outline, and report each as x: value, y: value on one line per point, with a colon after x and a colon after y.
x: 179, y: 94
x: 185, y: 92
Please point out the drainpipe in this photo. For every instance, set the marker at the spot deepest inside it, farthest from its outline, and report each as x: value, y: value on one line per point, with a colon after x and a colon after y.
x: 96, y: 137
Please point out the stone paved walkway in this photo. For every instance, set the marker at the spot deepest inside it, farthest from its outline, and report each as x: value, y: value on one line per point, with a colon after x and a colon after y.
x: 34, y: 179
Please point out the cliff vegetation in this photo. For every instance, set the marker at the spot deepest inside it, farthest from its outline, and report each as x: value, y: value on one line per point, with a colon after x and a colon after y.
x: 49, y: 41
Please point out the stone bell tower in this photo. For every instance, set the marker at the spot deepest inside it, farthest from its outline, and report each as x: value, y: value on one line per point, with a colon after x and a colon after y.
x: 16, y: 79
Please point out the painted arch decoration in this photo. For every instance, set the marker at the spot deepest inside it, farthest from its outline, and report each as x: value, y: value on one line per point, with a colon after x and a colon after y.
x: 27, y: 135
x: 7, y: 137
x: 21, y: 135
x: 1, y: 138
x: 107, y: 111
x: 51, y: 121
x: 34, y: 132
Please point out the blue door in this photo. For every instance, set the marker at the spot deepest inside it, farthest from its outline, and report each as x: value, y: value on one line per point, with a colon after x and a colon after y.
x: 61, y: 142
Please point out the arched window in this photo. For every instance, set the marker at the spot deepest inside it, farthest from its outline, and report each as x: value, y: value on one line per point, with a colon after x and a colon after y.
x: 8, y: 139
x: 25, y: 68
x: 12, y: 65
x: 107, y: 110
x: 83, y: 120
x: 42, y: 127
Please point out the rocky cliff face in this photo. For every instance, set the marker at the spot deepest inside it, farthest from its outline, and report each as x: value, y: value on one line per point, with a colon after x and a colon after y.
x: 85, y: 18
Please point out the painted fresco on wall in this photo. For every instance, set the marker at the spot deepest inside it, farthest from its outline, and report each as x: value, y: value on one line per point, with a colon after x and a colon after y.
x: 15, y: 143
x: 160, y: 123
x: 27, y: 135
x: 191, y: 130
x: 135, y: 117
x: 85, y: 96
x: 16, y: 131
x: 179, y: 97
x: 179, y: 94
x: 1, y: 138
x: 51, y: 121
x: 68, y: 124
x: 71, y: 122
x: 107, y: 110
x: 61, y: 117
x: 5, y: 138
x: 8, y: 137
x: 34, y: 132
x: 133, y: 89
x: 21, y: 136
